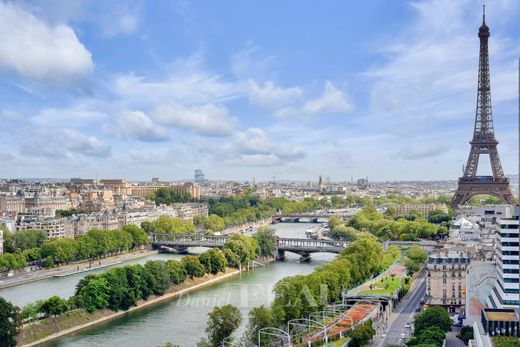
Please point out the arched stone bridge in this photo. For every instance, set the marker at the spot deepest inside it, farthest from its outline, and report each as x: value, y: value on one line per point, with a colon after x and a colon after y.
x: 303, y: 247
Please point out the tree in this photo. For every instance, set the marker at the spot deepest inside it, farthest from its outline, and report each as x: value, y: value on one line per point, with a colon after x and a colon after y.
x: 434, y: 316
x: 211, y: 222
x: 23, y: 240
x: 259, y: 317
x: 213, y: 261
x: 223, y: 320
x: 346, y: 233
x: 334, y: 221
x: 429, y: 336
x: 177, y: 271
x: 160, y: 276
x: 362, y: 334
x: 193, y: 266
x: 466, y: 333
x: 32, y: 310
x: 55, y: 306
x: 267, y: 241
x: 232, y: 258
x: 246, y: 248
x: 139, y: 236
x: 8, y: 319
x: 95, y: 294
x: 149, y: 227
x: 415, y: 257
x: 171, y: 225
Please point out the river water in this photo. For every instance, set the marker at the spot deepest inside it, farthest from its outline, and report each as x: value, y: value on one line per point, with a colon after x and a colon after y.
x: 182, y: 320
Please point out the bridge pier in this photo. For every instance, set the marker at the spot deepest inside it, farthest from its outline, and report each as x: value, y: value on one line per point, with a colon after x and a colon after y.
x: 305, y: 257
x: 280, y: 255
x: 314, y: 220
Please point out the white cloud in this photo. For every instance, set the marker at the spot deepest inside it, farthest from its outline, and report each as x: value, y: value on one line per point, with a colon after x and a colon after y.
x: 138, y: 126
x: 79, y: 115
x: 252, y: 147
x: 207, y: 119
x: 119, y: 18
x: 35, y: 50
x: 62, y: 142
x: 251, y: 64
x: 193, y: 87
x: 430, y: 73
x: 333, y: 100
x: 270, y: 96
x: 423, y: 150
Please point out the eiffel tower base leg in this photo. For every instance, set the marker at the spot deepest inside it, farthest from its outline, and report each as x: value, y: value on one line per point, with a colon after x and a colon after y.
x: 497, y: 188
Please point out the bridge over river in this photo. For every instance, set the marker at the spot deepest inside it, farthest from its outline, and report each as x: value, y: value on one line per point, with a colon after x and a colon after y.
x: 303, y: 247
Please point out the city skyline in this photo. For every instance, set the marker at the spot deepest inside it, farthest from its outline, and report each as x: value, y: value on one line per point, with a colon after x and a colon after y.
x: 216, y: 88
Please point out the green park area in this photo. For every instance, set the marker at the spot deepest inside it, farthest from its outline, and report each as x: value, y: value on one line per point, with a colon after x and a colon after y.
x: 387, y: 286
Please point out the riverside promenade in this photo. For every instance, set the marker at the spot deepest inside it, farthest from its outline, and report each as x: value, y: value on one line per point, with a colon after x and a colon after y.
x: 70, y: 269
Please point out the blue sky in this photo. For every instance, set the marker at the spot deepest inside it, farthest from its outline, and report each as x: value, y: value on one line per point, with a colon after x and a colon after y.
x: 242, y: 89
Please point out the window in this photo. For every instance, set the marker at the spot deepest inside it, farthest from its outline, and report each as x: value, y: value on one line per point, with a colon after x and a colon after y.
x: 512, y: 291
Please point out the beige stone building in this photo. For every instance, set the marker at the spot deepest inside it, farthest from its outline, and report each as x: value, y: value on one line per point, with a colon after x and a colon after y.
x: 446, y: 279
x: 10, y: 203
x: 54, y: 227
x: 424, y: 209
x: 186, y: 188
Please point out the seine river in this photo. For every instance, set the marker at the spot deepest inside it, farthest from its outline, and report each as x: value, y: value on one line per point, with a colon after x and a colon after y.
x: 182, y: 320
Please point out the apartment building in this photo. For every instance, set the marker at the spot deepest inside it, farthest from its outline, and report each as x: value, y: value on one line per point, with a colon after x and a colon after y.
x: 424, y: 209
x: 446, y: 279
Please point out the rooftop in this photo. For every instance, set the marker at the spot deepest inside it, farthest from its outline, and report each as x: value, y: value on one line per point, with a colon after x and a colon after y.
x: 500, y: 315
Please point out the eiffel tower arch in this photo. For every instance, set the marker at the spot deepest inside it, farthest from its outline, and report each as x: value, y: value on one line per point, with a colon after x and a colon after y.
x: 484, y: 141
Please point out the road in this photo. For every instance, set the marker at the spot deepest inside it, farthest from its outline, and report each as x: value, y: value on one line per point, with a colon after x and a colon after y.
x: 403, y: 314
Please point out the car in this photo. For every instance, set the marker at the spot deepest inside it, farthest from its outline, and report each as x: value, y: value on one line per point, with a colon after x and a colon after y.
x: 418, y: 309
x: 403, y: 336
x: 408, y: 325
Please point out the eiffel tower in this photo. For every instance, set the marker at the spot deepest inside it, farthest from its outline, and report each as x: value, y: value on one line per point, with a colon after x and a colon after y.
x: 483, y: 141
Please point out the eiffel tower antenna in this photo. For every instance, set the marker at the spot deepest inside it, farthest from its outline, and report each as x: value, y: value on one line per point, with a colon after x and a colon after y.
x: 484, y: 141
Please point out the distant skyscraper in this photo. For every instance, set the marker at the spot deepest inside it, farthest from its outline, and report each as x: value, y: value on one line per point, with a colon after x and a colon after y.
x: 199, y: 176
x: 320, y: 182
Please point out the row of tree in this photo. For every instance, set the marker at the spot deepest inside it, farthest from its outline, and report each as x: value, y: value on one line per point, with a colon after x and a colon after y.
x: 387, y: 228
x: 298, y: 296
x: 122, y: 287
x: 92, y: 245
x: 169, y: 225
x: 167, y: 196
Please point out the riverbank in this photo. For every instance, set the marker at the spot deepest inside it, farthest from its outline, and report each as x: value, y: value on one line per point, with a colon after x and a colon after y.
x: 72, y: 269
x: 52, y: 328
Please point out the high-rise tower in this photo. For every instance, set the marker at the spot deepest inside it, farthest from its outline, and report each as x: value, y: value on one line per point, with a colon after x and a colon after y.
x: 483, y: 141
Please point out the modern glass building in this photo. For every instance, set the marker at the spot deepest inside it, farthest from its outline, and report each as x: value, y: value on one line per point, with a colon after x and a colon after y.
x: 506, y: 291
